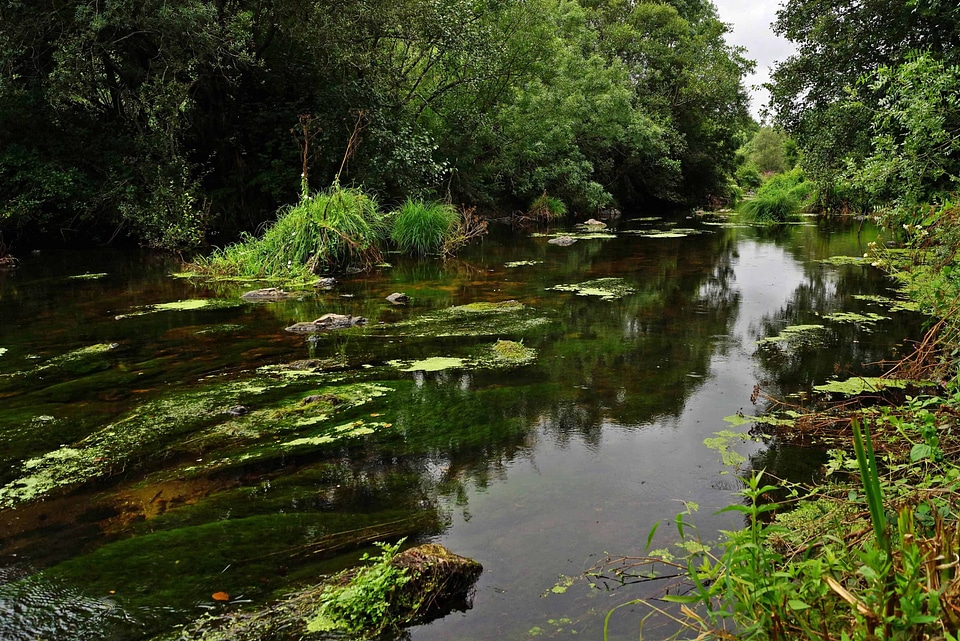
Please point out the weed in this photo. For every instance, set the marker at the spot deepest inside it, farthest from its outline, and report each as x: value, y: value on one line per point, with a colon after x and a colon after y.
x: 422, y: 228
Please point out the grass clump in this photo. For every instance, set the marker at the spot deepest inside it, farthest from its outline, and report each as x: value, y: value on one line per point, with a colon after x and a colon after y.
x: 422, y: 228
x: 545, y: 208
x: 331, y: 229
x: 780, y: 198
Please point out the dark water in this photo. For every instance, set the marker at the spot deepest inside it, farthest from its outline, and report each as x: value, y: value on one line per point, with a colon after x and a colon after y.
x: 129, y: 494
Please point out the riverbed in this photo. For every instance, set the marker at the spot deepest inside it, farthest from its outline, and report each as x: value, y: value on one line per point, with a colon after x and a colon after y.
x: 168, y: 449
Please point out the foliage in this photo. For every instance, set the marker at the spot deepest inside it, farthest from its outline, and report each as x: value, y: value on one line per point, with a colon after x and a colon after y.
x: 166, y: 121
x: 863, y: 97
x: 422, y: 228
x: 767, y: 151
x: 748, y: 176
x: 327, y: 230
x: 546, y: 208
x: 780, y: 198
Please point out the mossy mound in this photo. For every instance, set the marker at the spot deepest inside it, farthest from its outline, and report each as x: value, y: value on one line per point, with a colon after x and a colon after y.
x: 439, y: 582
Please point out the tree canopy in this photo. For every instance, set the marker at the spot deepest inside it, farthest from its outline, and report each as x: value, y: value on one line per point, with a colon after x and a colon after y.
x: 166, y: 120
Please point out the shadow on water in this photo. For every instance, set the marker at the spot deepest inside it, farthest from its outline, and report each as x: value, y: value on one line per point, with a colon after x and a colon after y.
x: 163, y: 440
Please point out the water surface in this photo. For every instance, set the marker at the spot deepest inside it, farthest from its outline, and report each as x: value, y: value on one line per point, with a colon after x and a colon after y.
x: 133, y: 488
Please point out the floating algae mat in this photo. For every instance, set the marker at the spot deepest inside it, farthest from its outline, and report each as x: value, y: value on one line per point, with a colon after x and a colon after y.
x: 839, y: 261
x: 796, y: 335
x: 523, y: 263
x: 188, y: 305
x: 435, y: 364
x: 474, y: 319
x: 502, y: 354
x: 863, y: 385
x: 678, y: 232
x: 866, y: 320
x: 88, y: 276
x: 578, y: 235
x: 602, y: 288
x: 894, y: 304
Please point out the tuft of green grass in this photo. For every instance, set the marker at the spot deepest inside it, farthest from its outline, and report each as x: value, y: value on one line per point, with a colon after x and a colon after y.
x: 328, y: 230
x: 779, y: 199
x: 423, y: 228
x: 546, y: 208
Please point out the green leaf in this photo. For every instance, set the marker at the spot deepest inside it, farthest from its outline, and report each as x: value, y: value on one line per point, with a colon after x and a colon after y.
x: 796, y: 604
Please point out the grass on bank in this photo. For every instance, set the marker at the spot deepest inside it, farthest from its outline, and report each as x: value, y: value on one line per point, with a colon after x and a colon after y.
x: 873, y: 550
x: 780, y: 199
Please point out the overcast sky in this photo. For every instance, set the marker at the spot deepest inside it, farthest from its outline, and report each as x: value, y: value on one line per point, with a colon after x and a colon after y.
x: 751, y: 20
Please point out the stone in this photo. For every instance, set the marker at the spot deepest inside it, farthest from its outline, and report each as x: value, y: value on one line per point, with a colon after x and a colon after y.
x: 562, y: 241
x: 398, y: 298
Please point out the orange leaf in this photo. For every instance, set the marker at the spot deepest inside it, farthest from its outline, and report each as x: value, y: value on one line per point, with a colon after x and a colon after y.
x: 221, y: 596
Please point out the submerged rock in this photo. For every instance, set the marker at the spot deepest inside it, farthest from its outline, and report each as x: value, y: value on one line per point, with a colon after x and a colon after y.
x: 326, y: 282
x: 562, y: 241
x: 327, y: 323
x: 593, y: 222
x: 268, y: 294
x: 398, y: 298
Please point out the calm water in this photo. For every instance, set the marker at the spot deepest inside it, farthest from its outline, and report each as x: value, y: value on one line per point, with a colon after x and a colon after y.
x: 129, y: 493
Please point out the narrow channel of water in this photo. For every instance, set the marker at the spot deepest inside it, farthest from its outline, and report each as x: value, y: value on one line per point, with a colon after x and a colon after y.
x: 153, y: 455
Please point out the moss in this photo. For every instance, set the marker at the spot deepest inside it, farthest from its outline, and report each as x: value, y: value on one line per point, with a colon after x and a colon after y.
x: 475, y: 319
x: 87, y: 276
x: 181, y: 306
x: 861, y: 385
x: 434, y: 364
x: 523, y: 263
x: 851, y: 317
x: 796, y: 335
x: 602, y: 288
x: 513, y: 352
x: 839, y: 261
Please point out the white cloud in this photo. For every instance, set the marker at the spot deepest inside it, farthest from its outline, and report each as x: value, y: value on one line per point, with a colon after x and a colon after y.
x: 751, y: 23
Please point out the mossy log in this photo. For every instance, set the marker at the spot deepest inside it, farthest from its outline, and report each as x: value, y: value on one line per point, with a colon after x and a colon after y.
x: 440, y: 582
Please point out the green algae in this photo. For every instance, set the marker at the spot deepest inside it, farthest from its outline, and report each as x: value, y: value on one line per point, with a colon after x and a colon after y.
x: 795, y: 335
x: 840, y: 261
x: 851, y: 317
x: 602, y: 288
x: 3, y: 350
x: 579, y: 235
x: 224, y: 328
x: 353, y: 429
x: 865, y: 384
x: 474, y: 319
x: 434, y: 364
x: 736, y: 420
x: 513, y: 353
x: 87, y: 276
x: 199, y: 417
x: 893, y: 304
x: 655, y: 233
x: 523, y: 263
x: 188, y: 305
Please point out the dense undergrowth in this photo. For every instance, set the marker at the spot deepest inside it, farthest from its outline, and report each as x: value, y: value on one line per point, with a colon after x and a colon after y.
x: 871, y: 551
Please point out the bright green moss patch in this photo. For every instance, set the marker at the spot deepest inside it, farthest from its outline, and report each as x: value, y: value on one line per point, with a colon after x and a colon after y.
x: 602, y: 288
x: 523, y: 263
x: 894, y: 304
x: 475, y: 319
x: 851, y: 317
x: 513, y: 352
x: 839, y: 261
x: 435, y: 364
x: 862, y: 385
x: 181, y: 306
x: 796, y: 335
x: 338, y: 433
x: 87, y: 276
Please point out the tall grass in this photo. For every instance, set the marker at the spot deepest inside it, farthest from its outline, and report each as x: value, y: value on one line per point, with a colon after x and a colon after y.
x: 780, y: 198
x: 331, y: 229
x: 546, y: 208
x: 423, y: 228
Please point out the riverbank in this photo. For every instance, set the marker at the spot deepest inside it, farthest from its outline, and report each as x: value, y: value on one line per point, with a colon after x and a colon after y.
x: 871, y: 550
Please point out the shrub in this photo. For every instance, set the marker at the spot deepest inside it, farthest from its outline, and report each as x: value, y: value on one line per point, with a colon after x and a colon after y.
x: 546, y: 208
x: 422, y: 228
x: 748, y: 176
x: 780, y: 198
x: 328, y: 230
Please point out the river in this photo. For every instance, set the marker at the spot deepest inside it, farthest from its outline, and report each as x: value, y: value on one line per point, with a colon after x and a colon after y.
x: 163, y: 440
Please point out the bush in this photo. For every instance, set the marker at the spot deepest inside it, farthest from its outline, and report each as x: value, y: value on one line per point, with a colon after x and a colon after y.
x: 422, y: 228
x: 546, y: 208
x: 780, y: 198
x: 748, y: 176
x: 328, y: 230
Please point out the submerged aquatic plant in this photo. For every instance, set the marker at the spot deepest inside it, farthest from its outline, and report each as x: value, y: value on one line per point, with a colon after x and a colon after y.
x: 328, y: 230
x: 423, y: 228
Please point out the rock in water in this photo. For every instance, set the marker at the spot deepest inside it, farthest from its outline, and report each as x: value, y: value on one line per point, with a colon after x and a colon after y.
x: 398, y: 298
x: 269, y: 294
x: 562, y: 241
x: 327, y: 323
